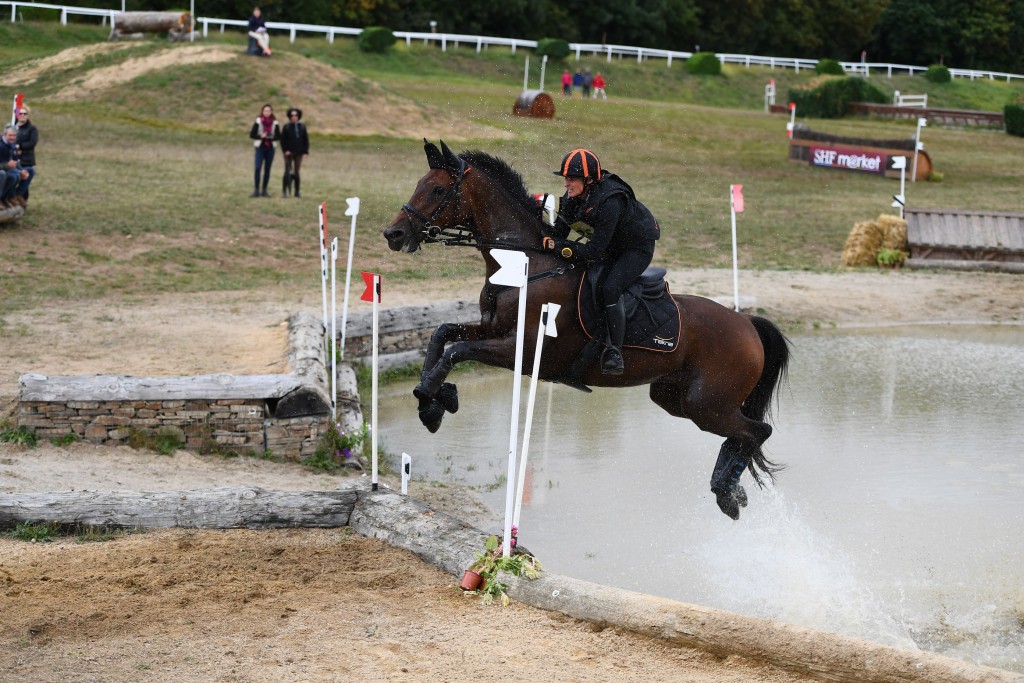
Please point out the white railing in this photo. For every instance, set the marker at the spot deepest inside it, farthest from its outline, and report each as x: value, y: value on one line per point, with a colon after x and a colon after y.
x: 910, y: 100
x: 484, y: 42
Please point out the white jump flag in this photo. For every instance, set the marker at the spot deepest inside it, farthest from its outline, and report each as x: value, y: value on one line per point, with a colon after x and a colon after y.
x: 333, y: 346
x: 372, y: 293
x: 736, y: 203
x: 406, y: 472
x: 514, y: 270
x: 900, y: 162
x: 352, y: 210
x: 548, y: 313
x: 323, y: 258
x: 918, y: 146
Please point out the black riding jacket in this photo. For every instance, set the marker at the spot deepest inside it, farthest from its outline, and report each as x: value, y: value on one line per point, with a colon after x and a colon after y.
x: 28, y: 138
x: 294, y: 138
x: 609, y: 214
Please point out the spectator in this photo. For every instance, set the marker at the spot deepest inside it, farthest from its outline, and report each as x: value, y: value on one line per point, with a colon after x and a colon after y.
x: 259, y: 39
x: 588, y: 82
x: 28, y: 138
x: 17, y: 178
x: 266, y: 133
x: 577, y: 83
x: 295, y: 145
x: 599, y: 86
x: 566, y: 83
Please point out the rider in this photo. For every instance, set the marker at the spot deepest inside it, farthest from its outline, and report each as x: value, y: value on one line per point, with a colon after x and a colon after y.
x: 621, y: 233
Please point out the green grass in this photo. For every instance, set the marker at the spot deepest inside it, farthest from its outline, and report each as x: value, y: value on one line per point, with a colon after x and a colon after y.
x: 143, y: 188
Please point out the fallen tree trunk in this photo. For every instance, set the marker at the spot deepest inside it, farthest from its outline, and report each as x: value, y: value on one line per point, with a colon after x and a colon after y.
x: 224, y: 508
x: 150, y: 22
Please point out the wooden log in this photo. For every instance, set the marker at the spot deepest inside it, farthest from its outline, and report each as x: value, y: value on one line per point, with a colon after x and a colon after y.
x: 307, y: 362
x: 11, y: 214
x: 38, y: 387
x: 223, y: 508
x: 150, y: 22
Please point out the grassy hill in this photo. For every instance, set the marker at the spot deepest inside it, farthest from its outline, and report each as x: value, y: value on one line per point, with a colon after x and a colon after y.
x: 145, y: 166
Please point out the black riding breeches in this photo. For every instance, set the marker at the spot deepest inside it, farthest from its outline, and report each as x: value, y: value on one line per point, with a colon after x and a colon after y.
x: 622, y: 272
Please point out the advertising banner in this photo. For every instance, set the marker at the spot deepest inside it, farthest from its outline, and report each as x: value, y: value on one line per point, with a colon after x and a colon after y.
x: 849, y: 159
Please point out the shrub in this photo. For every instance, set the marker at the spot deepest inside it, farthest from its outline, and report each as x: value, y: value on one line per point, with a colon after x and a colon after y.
x: 937, y: 73
x: 704, y: 63
x: 376, y: 39
x: 1013, y: 117
x: 554, y: 48
x: 830, y: 67
x: 830, y: 97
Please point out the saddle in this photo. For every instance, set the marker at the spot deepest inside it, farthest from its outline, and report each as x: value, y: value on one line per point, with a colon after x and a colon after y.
x: 652, y: 317
x: 653, y: 322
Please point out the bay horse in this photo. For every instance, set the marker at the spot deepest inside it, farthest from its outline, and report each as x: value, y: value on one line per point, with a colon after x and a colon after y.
x: 722, y: 374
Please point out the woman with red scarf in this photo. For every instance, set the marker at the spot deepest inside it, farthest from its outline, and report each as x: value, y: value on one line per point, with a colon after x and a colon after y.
x: 265, y: 132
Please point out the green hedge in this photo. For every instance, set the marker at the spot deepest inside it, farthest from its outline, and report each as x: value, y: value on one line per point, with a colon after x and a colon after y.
x: 937, y: 73
x: 705, y: 63
x: 376, y: 39
x: 1013, y: 117
x: 829, y: 67
x: 555, y: 48
x: 829, y: 97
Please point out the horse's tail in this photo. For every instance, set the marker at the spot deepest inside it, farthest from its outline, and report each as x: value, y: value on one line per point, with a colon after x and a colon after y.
x: 758, y: 405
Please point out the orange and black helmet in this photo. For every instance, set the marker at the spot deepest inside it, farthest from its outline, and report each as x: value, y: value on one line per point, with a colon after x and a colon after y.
x: 580, y: 163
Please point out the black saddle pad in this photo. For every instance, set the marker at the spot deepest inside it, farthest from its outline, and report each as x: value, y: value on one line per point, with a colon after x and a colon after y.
x: 652, y: 317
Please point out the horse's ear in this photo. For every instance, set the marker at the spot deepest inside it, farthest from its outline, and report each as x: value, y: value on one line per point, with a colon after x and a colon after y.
x: 452, y: 162
x: 434, y: 157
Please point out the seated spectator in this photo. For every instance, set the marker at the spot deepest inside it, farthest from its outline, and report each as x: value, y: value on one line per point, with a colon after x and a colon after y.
x: 259, y: 39
x: 18, y: 178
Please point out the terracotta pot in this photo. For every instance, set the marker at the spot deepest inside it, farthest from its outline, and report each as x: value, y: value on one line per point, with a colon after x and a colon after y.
x: 471, y: 580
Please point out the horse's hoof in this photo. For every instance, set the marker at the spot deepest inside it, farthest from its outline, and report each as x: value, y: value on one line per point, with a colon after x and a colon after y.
x: 448, y: 397
x: 741, y: 495
x: 431, y: 416
x: 729, y: 504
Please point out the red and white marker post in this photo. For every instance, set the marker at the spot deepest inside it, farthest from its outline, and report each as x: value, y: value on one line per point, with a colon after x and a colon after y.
x: 19, y: 102
x: 372, y: 293
x: 323, y: 260
x: 792, y: 120
x: 334, y: 331
x: 736, y: 204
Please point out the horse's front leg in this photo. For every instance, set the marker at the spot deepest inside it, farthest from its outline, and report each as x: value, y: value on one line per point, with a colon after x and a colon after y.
x: 436, y: 395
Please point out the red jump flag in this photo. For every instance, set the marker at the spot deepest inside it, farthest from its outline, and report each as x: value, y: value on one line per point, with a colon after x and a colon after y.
x: 372, y: 292
x: 737, y: 198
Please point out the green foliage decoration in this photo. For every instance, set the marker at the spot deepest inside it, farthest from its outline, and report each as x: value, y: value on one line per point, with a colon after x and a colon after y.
x: 705, y: 64
x: 376, y: 39
x: 1013, y: 116
x: 829, y: 97
x: 937, y: 73
x: 555, y: 48
x: 492, y: 561
x: 829, y: 67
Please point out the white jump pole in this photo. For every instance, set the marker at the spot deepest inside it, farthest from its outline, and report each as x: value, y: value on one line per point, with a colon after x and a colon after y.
x: 372, y: 293
x: 352, y: 210
x: 791, y: 126
x: 406, y: 472
x: 514, y: 270
x: 526, y: 73
x: 333, y: 347
x: 736, y: 206
x: 548, y: 313
x: 543, y: 64
x: 900, y: 162
x: 921, y: 123
x: 323, y: 259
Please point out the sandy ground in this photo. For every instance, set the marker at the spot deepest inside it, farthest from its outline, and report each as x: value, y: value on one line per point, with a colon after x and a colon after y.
x: 326, y: 605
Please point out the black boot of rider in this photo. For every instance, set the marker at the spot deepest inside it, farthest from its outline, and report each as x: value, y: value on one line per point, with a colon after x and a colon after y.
x: 611, y: 360
x: 297, y: 181
x: 286, y: 185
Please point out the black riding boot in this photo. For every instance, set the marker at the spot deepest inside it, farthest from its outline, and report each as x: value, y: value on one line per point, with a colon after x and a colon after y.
x: 298, y: 192
x: 286, y: 184
x: 615, y: 318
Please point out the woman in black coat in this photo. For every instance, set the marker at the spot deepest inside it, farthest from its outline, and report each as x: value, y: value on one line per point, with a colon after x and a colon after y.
x: 28, y: 138
x: 295, y: 145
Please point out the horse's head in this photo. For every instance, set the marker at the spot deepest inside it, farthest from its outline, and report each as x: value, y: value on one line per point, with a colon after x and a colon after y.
x: 434, y: 204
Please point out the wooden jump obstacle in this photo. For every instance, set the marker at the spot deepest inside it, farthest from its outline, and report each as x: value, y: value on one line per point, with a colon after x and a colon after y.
x: 965, y: 240
x: 864, y: 155
x: 536, y: 103
x: 126, y: 25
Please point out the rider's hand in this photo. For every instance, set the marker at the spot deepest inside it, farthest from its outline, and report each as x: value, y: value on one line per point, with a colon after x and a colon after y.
x: 548, y: 243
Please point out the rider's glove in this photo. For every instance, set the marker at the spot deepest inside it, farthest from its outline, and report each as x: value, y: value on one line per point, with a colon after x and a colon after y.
x: 563, y: 247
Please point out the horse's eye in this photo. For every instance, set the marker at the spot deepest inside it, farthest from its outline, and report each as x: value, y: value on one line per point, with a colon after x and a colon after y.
x: 439, y: 191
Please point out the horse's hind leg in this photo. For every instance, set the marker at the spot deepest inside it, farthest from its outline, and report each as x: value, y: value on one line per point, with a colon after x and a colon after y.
x: 734, y: 457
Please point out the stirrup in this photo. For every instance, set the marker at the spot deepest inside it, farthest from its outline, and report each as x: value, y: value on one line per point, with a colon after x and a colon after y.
x: 611, y: 362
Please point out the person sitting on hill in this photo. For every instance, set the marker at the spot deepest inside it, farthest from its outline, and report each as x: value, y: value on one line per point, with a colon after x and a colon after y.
x: 17, y: 178
x: 259, y: 39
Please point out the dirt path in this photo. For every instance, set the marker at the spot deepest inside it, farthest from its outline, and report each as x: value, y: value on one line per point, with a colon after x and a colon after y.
x: 325, y: 605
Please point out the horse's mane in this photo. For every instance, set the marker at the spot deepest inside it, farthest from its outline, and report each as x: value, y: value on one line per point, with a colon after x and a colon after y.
x: 507, y: 177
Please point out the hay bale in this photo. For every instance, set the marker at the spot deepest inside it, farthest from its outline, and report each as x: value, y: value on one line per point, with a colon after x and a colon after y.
x: 862, y: 244
x: 894, y: 232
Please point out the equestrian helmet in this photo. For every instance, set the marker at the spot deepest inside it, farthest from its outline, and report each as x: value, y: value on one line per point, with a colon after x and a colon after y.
x: 580, y: 163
